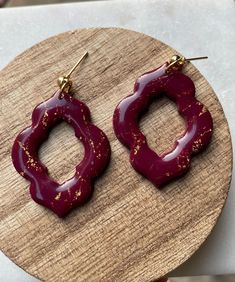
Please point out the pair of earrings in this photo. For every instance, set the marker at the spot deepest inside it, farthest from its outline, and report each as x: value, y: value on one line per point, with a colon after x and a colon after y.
x: 62, y: 198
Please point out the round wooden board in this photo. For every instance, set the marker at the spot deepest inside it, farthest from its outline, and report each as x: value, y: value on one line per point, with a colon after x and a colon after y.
x: 129, y: 231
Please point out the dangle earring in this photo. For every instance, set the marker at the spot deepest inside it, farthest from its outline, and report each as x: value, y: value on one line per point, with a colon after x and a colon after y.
x: 61, y: 198
x: 167, y: 79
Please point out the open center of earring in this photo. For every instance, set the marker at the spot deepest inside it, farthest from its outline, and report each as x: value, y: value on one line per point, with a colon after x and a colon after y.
x: 61, y: 152
x: 162, y: 124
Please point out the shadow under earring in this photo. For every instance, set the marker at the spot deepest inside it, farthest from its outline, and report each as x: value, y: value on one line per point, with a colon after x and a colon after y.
x: 167, y: 79
x: 61, y: 198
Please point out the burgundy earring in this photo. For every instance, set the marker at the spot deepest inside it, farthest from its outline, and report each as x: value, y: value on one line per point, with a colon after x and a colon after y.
x: 61, y: 198
x: 180, y: 88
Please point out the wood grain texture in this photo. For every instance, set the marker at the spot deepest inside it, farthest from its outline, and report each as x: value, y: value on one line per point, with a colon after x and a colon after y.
x: 129, y: 231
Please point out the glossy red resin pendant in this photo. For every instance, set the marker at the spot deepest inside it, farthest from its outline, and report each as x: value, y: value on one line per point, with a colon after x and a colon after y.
x: 174, y: 163
x: 61, y: 198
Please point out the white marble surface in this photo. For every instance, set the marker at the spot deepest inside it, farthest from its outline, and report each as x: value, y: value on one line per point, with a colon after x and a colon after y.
x: 203, y: 27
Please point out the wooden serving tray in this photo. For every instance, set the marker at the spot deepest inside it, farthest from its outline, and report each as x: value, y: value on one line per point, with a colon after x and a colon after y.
x: 129, y: 231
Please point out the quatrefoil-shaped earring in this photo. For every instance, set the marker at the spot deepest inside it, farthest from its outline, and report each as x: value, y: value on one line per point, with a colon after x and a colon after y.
x: 180, y: 88
x: 61, y: 198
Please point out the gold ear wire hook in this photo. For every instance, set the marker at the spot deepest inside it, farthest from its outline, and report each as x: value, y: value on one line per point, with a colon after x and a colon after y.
x: 196, y: 58
x: 64, y: 82
x: 179, y: 61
